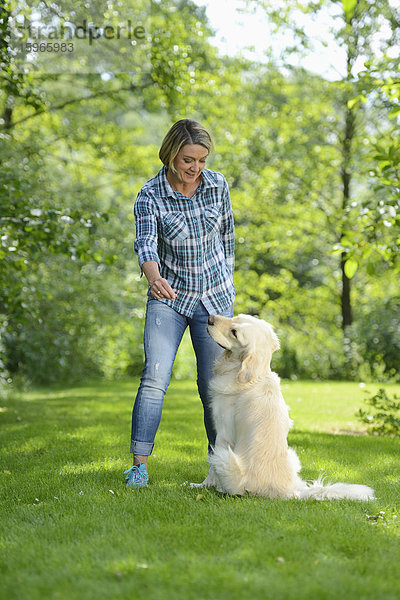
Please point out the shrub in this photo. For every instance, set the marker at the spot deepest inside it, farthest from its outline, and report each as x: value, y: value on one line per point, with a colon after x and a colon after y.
x: 377, y: 334
x: 385, y: 417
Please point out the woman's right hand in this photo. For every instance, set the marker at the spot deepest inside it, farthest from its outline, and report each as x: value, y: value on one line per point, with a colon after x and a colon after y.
x: 160, y: 288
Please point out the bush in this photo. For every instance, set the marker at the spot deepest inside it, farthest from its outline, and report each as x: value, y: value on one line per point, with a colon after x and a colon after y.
x: 377, y: 332
x: 385, y: 419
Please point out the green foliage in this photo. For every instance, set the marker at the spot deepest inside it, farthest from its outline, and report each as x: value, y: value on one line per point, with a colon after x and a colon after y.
x: 378, y: 83
x: 377, y: 332
x: 64, y: 340
x: 78, y: 148
x: 384, y: 226
x: 383, y: 416
x: 348, y: 8
x: 66, y: 198
x: 34, y: 222
x: 180, y: 55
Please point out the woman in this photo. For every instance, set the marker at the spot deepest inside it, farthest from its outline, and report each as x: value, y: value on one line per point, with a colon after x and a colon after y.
x: 185, y: 246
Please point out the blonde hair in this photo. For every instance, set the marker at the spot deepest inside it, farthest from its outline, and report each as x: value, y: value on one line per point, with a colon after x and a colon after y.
x: 181, y: 133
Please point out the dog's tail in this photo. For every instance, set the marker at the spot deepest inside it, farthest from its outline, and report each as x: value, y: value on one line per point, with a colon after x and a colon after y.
x: 319, y: 490
x: 229, y: 470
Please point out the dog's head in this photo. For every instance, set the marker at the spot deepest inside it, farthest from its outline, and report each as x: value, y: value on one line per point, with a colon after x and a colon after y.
x: 250, y: 340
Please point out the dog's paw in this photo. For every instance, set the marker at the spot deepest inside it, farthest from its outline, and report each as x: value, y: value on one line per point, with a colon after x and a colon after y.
x: 210, y: 481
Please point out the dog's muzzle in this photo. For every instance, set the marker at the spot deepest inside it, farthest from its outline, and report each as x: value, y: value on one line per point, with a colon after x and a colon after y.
x: 211, y: 323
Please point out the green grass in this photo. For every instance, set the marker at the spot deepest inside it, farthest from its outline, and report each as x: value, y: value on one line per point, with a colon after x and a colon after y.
x: 70, y: 529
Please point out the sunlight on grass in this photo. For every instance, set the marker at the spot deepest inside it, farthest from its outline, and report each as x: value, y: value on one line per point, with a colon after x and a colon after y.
x: 328, y: 406
x: 93, y: 467
x: 123, y: 567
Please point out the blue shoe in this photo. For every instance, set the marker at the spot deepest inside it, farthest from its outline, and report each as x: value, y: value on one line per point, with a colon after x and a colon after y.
x: 136, y: 476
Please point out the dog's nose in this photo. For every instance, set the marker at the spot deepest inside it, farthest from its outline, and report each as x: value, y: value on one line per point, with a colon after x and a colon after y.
x: 211, y: 320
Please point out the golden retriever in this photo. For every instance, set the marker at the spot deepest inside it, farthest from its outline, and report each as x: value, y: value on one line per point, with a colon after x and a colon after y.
x: 251, y: 453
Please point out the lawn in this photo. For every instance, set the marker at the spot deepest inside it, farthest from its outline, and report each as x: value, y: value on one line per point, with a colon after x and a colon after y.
x: 71, y: 530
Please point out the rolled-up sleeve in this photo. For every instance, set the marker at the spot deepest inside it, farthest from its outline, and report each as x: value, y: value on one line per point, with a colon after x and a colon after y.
x: 228, y: 228
x: 146, y: 240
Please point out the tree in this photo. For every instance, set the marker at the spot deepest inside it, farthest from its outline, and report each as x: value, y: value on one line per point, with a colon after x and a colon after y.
x: 68, y: 165
x: 381, y: 220
x: 361, y: 22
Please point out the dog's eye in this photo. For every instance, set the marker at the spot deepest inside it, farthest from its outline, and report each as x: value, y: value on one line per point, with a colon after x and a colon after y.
x: 234, y: 333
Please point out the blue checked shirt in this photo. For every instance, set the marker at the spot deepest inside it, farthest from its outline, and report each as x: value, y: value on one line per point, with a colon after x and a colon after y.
x: 192, y: 240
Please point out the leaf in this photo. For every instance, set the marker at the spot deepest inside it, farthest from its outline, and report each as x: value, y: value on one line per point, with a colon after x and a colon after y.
x: 348, y: 8
x: 350, y: 267
x: 353, y: 101
x: 394, y: 112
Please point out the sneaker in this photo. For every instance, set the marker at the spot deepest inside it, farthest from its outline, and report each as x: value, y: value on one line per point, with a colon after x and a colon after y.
x: 136, y: 476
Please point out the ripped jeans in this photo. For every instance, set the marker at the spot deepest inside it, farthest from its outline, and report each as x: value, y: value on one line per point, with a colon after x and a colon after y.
x: 163, y: 331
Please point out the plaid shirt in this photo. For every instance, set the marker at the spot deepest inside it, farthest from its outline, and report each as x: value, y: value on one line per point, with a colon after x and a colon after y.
x: 192, y: 240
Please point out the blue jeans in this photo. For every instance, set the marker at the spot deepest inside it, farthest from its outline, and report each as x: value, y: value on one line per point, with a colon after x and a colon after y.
x: 163, y: 331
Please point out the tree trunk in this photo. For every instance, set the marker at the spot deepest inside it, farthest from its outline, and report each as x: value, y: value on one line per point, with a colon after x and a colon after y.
x: 5, y: 61
x: 347, y: 318
x: 348, y: 135
x: 7, y: 118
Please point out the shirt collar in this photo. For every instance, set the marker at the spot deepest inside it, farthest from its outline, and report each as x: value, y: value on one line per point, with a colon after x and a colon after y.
x: 166, y: 189
x: 164, y: 185
x: 208, y: 178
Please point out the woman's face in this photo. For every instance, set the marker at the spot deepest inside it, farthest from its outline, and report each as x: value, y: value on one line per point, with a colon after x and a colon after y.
x: 189, y: 162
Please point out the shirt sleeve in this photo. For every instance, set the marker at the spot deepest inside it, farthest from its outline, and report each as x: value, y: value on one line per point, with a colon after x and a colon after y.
x: 146, y: 240
x: 228, y: 228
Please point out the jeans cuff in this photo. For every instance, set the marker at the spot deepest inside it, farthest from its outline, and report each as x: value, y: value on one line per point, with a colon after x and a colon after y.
x: 141, y: 448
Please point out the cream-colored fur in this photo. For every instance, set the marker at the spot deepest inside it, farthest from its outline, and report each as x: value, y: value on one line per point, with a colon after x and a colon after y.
x: 251, y: 453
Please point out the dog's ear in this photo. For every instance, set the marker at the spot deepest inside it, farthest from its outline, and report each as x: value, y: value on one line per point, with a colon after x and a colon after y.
x: 248, y: 368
